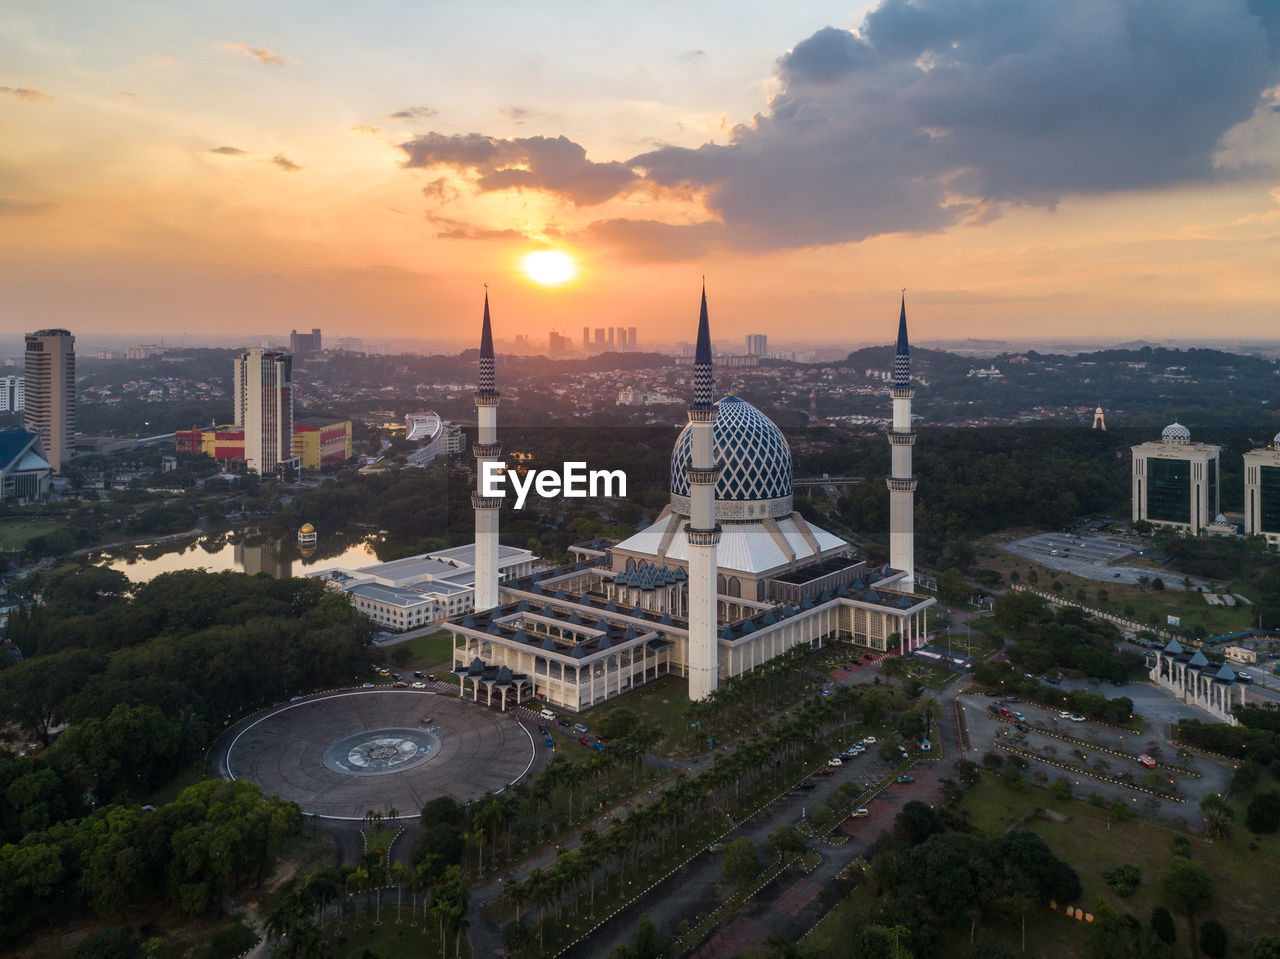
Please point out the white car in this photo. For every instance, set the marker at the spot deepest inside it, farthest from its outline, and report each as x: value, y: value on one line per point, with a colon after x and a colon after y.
x: 860, y: 813
x: 418, y: 684
x: 1075, y: 718
x: 835, y: 761
x: 1064, y: 715
x: 869, y: 740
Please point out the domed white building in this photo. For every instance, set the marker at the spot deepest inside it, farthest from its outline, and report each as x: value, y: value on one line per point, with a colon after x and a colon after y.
x: 761, y: 535
x: 1175, y: 481
x: 726, y: 578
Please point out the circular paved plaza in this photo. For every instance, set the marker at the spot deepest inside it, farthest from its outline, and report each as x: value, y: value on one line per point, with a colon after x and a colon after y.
x: 341, y: 754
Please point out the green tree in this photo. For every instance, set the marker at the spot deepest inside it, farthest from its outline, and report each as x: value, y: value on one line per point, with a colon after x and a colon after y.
x: 741, y: 863
x: 1266, y: 946
x: 644, y: 941
x: 1218, y: 815
x: 1185, y: 887
x: 785, y: 842
x: 1263, y: 815
x: 1213, y: 939
x: 1162, y: 925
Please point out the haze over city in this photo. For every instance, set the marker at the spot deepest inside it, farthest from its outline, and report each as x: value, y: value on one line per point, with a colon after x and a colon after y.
x: 1101, y: 169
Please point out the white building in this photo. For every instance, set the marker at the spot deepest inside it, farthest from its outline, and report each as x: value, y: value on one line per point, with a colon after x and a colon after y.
x: 758, y: 344
x: 1262, y: 492
x: 263, y: 397
x: 1175, y: 481
x: 439, y: 438
x: 418, y: 590
x: 1198, y: 682
x: 13, y: 390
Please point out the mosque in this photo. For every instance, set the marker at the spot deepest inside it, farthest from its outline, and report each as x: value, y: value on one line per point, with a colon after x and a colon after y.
x: 727, y: 577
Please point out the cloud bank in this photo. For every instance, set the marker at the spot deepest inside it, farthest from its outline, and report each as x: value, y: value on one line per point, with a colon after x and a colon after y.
x: 933, y: 112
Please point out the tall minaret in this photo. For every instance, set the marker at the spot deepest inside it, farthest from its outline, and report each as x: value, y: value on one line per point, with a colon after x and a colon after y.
x: 902, y: 484
x: 487, y: 448
x: 702, y: 529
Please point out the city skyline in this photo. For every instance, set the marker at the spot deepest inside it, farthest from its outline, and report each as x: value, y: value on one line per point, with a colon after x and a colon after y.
x: 1093, y: 169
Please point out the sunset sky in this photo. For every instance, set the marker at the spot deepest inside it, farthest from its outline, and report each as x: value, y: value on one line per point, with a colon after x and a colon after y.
x: 1098, y: 168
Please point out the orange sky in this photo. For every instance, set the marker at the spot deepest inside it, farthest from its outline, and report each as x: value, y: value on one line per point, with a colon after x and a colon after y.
x: 239, y: 173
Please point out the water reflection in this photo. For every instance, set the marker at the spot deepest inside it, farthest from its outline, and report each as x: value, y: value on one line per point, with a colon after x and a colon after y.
x: 246, y: 551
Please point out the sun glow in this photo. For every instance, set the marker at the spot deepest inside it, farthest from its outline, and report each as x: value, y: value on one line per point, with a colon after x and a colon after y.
x: 549, y: 267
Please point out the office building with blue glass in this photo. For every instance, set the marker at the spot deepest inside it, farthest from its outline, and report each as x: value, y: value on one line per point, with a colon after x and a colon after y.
x: 1176, y: 481
x: 1262, y: 492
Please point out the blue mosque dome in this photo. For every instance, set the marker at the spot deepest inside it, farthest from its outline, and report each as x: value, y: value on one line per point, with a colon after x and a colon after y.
x: 1175, y: 433
x: 755, y: 461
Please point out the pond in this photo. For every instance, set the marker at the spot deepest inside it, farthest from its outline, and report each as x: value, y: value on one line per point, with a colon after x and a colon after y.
x: 244, y: 551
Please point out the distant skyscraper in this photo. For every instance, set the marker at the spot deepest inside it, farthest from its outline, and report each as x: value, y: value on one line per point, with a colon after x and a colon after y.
x: 557, y: 345
x: 599, y: 337
x: 264, y: 407
x: 622, y: 338
x: 631, y: 337
x: 50, y: 394
x: 300, y: 344
x: 610, y: 333
x: 1262, y: 492
x: 586, y: 339
x: 757, y: 344
x: 12, y: 394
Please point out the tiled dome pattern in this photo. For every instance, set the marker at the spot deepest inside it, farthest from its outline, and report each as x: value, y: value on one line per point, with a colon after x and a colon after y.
x: 1175, y: 433
x: 753, y: 454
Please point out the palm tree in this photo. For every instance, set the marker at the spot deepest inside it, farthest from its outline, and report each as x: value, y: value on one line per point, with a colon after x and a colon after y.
x: 399, y: 875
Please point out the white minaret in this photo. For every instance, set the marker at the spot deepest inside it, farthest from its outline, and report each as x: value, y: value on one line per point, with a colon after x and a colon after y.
x: 487, y: 448
x: 702, y: 529
x: 902, y: 483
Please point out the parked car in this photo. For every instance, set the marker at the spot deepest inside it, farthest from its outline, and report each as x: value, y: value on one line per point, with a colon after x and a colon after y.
x: 1147, y: 761
x: 598, y: 746
x: 417, y: 674
x: 1076, y: 718
x: 1064, y: 715
x: 549, y: 743
x: 848, y: 665
x: 1023, y: 727
x: 544, y: 730
x: 835, y: 761
x: 991, y: 692
x: 825, y: 772
x: 861, y: 813
x: 418, y: 684
x: 565, y: 723
x: 806, y: 784
x: 579, y: 728
x: 905, y: 779
x: 431, y: 677
x: 367, y: 685
x: 1018, y: 716
x: 400, y: 684
x: 584, y: 741
x: 868, y: 740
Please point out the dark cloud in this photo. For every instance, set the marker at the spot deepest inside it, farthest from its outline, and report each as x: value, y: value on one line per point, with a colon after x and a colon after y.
x: 554, y: 164
x: 12, y: 207
x: 457, y: 230
x: 937, y: 112
x: 228, y: 151
x: 25, y: 93
x: 284, y: 163
x: 414, y: 113
x: 517, y: 115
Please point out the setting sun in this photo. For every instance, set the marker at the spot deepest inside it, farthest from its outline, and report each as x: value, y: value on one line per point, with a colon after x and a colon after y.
x: 549, y: 267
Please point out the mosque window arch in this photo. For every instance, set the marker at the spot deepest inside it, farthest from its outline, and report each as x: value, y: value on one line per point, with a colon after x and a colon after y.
x: 631, y: 563
x: 735, y: 587
x: 721, y: 586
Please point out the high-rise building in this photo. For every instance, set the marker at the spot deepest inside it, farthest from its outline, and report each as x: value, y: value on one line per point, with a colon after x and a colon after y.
x: 264, y: 407
x: 300, y: 344
x: 1175, y: 481
x: 1262, y: 492
x: 586, y: 339
x: 599, y: 337
x: 557, y: 345
x: 757, y: 344
x: 631, y: 337
x: 610, y: 333
x: 12, y: 394
x: 50, y: 393
x: 622, y: 338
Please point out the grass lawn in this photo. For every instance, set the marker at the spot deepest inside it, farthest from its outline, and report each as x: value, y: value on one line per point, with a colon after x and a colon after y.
x: 1151, y: 607
x: 406, y: 940
x: 177, y: 938
x: 379, y: 839
x: 1245, y: 868
x: 14, y: 533
x: 428, y: 652
x: 664, y: 702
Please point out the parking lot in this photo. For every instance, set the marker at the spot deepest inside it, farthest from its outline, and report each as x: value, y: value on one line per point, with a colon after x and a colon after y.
x: 1093, y: 746
x: 1093, y: 556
